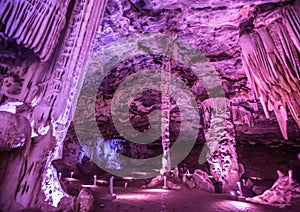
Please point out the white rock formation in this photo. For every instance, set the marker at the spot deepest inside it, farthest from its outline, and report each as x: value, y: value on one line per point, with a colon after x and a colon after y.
x: 220, y: 138
x: 270, y: 42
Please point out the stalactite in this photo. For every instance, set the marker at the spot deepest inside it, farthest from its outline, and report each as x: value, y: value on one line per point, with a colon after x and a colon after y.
x: 35, y: 24
x: 270, y: 54
x: 220, y: 138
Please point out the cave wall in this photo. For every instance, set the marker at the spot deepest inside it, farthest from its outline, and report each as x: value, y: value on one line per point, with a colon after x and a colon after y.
x: 213, y: 27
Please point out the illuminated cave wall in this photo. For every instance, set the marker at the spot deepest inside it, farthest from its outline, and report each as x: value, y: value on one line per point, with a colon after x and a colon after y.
x: 214, y: 28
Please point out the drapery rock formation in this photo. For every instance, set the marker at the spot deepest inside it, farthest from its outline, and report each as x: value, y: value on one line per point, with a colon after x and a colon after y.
x: 44, y: 46
x: 34, y: 25
x: 270, y: 43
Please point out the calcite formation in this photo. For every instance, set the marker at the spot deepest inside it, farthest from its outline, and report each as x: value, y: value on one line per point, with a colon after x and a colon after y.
x: 270, y: 43
x: 281, y: 194
x: 44, y: 46
x: 36, y: 25
x: 202, y: 181
x: 84, y: 201
x: 206, y: 25
x: 220, y: 137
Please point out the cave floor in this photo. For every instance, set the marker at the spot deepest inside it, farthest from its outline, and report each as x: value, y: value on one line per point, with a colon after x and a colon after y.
x: 161, y: 200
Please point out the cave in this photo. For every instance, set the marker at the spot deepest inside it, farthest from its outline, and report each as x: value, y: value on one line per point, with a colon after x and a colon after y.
x: 145, y: 105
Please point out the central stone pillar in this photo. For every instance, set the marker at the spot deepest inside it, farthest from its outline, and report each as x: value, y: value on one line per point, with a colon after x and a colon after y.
x: 220, y: 138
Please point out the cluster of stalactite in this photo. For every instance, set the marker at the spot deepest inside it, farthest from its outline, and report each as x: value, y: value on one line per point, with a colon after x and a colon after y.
x: 220, y: 138
x: 34, y: 24
x: 270, y: 42
x: 44, y: 47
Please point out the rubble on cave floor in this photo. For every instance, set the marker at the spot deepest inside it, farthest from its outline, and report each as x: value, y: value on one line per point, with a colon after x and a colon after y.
x: 134, y: 198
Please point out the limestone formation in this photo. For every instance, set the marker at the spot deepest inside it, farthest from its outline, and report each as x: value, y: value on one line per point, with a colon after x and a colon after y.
x: 202, y: 181
x: 220, y: 138
x: 15, y: 132
x: 66, y: 204
x: 44, y: 46
x: 84, y: 202
x: 270, y: 42
x: 281, y: 194
x: 36, y: 25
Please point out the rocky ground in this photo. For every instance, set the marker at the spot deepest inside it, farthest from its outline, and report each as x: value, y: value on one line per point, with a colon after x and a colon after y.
x: 133, y: 198
x: 260, y: 163
x: 184, y: 200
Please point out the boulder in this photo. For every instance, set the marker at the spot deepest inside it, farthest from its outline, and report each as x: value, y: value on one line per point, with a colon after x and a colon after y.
x: 85, y: 201
x: 202, y: 181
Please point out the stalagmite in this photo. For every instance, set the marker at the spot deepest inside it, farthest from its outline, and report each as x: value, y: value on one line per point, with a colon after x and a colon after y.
x: 165, y: 119
x: 220, y: 138
x: 166, y: 109
x: 270, y: 44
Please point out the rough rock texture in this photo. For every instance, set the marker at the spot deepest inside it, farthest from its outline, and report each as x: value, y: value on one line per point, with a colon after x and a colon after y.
x: 202, y: 181
x: 220, y: 138
x: 84, y: 201
x: 270, y: 42
x: 281, y: 194
x: 43, y: 48
x: 212, y: 27
x: 15, y: 132
x: 66, y: 204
